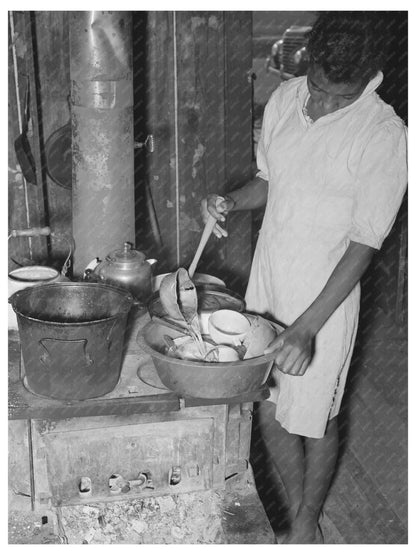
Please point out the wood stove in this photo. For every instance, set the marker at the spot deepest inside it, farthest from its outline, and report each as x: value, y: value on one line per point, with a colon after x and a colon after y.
x: 153, y: 441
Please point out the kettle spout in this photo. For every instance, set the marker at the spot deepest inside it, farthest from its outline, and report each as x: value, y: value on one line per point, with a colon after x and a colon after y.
x: 151, y: 261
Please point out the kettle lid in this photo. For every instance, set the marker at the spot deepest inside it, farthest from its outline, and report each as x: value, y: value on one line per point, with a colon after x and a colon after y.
x: 126, y: 255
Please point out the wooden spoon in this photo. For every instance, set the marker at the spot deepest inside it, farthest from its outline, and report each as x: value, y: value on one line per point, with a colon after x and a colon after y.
x: 209, y: 226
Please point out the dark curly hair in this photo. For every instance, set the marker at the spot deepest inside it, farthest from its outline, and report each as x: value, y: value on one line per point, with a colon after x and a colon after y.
x: 349, y: 46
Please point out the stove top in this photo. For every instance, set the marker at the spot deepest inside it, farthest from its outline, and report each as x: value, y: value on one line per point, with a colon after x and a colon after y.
x: 139, y: 388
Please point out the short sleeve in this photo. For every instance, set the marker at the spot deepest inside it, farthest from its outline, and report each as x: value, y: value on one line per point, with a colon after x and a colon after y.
x: 381, y: 184
x: 269, y: 120
x: 261, y: 158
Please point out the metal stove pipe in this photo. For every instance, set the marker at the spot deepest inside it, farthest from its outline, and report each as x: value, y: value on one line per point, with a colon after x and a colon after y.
x: 102, y: 133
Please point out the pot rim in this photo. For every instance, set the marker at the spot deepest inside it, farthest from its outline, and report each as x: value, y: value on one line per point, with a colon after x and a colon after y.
x: 27, y: 291
x: 67, y: 324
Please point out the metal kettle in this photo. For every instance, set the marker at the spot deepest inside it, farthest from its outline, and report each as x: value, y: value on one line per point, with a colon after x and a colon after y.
x: 126, y: 268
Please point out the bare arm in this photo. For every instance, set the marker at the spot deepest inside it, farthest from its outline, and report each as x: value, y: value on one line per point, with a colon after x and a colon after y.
x: 294, y: 346
x: 249, y: 197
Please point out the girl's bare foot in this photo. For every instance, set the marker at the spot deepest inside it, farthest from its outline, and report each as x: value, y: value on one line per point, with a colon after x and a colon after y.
x: 304, y: 529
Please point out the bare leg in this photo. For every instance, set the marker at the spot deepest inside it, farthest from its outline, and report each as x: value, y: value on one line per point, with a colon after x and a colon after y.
x: 320, y: 459
x: 287, y: 453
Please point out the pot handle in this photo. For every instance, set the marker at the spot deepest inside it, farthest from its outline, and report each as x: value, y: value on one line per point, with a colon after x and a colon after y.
x: 71, y: 245
x: 46, y: 231
x: 15, y: 296
x: 109, y: 334
x: 53, y: 351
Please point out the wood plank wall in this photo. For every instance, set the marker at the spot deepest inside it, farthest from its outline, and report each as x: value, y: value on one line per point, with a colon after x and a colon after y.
x: 199, y: 110
x: 238, y: 146
x: 52, y: 41
x: 25, y: 200
x: 161, y: 118
x: 43, y: 62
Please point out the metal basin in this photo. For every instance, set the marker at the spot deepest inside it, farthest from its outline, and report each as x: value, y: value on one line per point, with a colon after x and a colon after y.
x: 204, y: 380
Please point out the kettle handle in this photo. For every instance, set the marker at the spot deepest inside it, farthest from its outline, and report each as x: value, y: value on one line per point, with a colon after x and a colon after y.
x: 92, y: 265
x: 91, y: 276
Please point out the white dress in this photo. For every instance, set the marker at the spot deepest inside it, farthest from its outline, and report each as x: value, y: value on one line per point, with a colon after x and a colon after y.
x: 339, y: 179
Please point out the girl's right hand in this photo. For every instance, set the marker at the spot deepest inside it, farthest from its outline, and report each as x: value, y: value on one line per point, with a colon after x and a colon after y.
x: 218, y: 207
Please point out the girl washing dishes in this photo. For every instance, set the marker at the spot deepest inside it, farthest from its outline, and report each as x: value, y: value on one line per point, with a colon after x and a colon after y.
x: 332, y: 174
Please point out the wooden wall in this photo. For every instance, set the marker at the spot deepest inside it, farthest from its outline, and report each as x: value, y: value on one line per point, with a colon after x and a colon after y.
x: 43, y: 62
x: 199, y: 111
x: 193, y: 94
x: 21, y: 194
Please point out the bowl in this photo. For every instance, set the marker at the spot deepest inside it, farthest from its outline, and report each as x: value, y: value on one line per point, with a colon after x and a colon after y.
x: 203, y: 380
x: 226, y: 353
x: 29, y: 276
x: 228, y: 327
x: 262, y: 332
x: 189, y: 350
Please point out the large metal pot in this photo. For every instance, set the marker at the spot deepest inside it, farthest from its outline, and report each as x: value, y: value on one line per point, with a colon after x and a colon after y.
x: 202, y: 379
x: 72, y: 337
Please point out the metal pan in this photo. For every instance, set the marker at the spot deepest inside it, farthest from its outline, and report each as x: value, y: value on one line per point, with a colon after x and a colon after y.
x: 198, y: 279
x: 210, y: 298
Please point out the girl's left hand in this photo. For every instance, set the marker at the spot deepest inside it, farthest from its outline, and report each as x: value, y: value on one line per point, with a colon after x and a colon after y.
x: 293, y: 349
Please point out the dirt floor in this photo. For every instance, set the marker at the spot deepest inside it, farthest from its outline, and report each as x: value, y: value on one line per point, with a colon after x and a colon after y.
x: 234, y: 515
x: 26, y: 527
x: 188, y: 518
x: 183, y: 519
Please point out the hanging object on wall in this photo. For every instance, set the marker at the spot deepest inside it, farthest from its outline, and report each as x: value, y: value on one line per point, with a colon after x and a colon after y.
x: 58, y: 151
x: 149, y: 146
x: 22, y: 146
